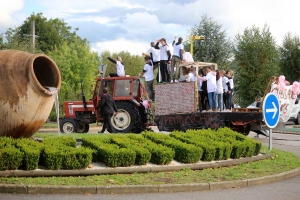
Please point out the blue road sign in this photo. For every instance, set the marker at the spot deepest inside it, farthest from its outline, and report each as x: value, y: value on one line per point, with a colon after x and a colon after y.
x: 271, y: 110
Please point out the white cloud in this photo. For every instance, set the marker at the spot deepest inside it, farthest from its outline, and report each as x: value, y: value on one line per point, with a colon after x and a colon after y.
x: 7, y: 10
x: 122, y: 44
x: 141, y: 20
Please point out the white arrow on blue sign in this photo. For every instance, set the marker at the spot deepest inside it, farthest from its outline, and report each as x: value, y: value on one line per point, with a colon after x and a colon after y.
x: 271, y: 110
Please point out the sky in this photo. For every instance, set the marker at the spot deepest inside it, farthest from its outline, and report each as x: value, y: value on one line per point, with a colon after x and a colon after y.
x: 130, y: 25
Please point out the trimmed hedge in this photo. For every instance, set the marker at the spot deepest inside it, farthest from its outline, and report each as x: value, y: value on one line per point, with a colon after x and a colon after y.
x: 160, y: 155
x: 110, y: 154
x: 61, y: 153
x: 32, y: 151
x: 10, y: 158
x: 126, y: 150
x: 186, y: 153
x: 143, y: 155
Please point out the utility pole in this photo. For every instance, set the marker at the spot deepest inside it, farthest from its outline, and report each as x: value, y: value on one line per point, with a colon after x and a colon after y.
x: 32, y: 35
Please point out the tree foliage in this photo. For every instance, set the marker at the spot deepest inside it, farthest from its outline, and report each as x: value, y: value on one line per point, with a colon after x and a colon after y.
x: 77, y: 64
x: 133, y: 63
x: 257, y: 60
x: 290, y: 57
x: 216, y: 47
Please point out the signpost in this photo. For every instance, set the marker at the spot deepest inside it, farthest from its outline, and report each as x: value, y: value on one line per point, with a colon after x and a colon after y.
x: 271, y: 113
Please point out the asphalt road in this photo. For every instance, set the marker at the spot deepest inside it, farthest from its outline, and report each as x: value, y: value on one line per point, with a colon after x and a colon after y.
x: 283, y: 190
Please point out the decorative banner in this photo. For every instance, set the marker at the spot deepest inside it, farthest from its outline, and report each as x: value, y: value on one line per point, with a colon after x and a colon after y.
x: 286, y: 99
x: 175, y: 98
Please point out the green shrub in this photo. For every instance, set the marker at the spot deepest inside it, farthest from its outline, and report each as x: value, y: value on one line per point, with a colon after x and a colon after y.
x: 6, y: 141
x: 186, y: 153
x: 32, y: 151
x: 10, y: 158
x: 62, y: 140
x: 77, y: 158
x: 161, y: 155
x: 143, y: 155
x: 238, y: 149
x: 52, y: 157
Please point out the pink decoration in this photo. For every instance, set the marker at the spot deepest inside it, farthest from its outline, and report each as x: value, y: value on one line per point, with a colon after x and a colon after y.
x: 296, y: 87
x: 146, y: 104
x: 281, y: 84
x: 287, y: 83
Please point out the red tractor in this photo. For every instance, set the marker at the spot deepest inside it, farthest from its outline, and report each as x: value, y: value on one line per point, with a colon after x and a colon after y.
x: 132, y: 115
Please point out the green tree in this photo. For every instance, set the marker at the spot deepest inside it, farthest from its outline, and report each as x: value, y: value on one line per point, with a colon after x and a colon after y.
x: 77, y: 63
x: 290, y: 57
x: 257, y: 58
x: 133, y: 63
x: 216, y: 47
x: 50, y: 33
x: 11, y: 40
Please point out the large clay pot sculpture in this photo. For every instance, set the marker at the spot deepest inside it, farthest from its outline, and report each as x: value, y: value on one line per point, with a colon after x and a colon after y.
x: 25, y: 98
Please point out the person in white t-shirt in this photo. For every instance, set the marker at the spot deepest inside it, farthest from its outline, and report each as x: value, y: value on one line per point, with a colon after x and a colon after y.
x: 227, y: 91
x: 119, y: 66
x: 149, y: 76
x: 219, y: 91
x: 211, y: 87
x: 176, y: 58
x: 192, y: 74
x: 165, y: 57
x: 154, y: 53
x: 187, y: 56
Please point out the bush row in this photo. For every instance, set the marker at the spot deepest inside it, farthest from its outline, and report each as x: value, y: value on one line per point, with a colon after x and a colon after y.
x: 62, y: 153
x: 185, y: 153
x: 125, y: 150
x: 54, y: 153
x: 220, y: 144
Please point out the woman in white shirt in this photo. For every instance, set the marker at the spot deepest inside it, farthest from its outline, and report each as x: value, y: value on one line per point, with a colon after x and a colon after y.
x: 192, y: 74
x: 211, y: 88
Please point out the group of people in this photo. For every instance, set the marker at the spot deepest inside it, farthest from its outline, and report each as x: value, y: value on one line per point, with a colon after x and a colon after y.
x: 215, y: 87
x: 160, y: 55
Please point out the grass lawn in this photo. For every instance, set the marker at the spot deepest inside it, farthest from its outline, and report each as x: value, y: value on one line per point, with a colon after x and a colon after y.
x: 281, y: 161
x: 54, y: 125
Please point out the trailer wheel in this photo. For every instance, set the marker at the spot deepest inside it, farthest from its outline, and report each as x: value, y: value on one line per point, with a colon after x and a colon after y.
x: 126, y: 119
x: 68, y: 126
x: 246, y: 130
x: 297, y: 121
x: 82, y: 128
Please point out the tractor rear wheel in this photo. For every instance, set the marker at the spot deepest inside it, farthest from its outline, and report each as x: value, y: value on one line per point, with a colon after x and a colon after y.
x: 82, y: 128
x: 68, y: 126
x: 126, y: 119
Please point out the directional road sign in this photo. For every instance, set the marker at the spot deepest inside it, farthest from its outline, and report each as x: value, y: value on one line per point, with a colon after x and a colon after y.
x: 271, y: 110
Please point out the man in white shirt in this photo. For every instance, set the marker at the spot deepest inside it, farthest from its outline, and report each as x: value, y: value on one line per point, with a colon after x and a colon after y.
x: 165, y: 57
x: 149, y: 76
x: 119, y: 66
x: 176, y: 58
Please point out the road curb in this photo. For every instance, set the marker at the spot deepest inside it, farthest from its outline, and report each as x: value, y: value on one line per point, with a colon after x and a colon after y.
x: 130, y: 189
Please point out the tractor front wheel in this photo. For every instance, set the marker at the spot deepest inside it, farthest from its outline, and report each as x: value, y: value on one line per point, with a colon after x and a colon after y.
x: 68, y: 126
